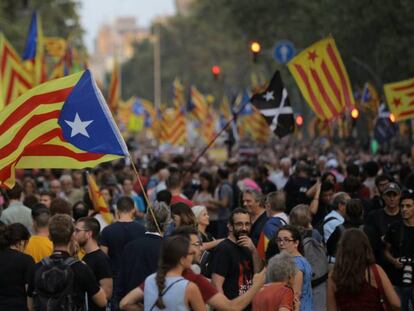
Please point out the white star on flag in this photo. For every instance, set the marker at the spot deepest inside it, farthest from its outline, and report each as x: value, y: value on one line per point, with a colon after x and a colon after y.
x: 268, y: 96
x: 78, y: 126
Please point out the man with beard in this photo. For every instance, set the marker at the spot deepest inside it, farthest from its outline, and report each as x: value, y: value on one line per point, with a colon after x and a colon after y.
x: 235, y: 260
x: 86, y: 234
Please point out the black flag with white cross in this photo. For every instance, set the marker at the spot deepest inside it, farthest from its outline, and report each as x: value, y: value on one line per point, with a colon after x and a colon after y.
x: 274, y: 105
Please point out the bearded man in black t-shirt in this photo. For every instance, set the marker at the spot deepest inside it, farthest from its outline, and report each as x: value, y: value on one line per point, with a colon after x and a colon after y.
x: 235, y: 260
x: 86, y: 234
x: 400, y: 251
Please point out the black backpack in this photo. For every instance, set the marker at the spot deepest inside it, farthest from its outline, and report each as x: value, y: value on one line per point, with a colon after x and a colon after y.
x: 53, y: 286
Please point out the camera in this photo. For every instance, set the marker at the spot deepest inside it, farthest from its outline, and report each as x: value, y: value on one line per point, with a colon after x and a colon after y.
x: 407, y: 276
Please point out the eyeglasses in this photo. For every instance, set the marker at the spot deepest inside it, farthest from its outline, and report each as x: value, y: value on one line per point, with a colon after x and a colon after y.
x: 285, y: 240
x: 197, y: 244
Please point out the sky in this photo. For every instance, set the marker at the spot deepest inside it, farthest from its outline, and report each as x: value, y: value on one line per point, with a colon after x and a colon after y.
x: 94, y: 13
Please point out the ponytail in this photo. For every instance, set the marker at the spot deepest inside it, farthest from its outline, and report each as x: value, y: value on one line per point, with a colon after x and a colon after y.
x: 160, y: 280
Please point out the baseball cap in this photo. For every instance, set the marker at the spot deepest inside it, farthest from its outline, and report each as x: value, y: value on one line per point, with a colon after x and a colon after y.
x: 392, y: 187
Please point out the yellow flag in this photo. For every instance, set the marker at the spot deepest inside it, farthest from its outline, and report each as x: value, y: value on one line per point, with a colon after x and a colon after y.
x: 400, y: 98
x: 322, y: 79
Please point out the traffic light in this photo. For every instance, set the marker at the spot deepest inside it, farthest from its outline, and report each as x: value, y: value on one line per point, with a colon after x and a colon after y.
x: 354, y: 113
x: 392, y: 118
x: 215, y: 70
x: 299, y: 120
x: 255, y: 48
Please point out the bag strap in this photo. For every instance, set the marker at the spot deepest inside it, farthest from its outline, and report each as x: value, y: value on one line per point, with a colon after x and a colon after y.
x: 281, y: 220
x: 166, y: 290
x: 379, y: 284
x: 329, y: 219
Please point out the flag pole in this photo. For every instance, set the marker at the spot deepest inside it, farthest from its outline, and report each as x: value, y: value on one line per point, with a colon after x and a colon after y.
x: 218, y: 134
x: 145, y: 194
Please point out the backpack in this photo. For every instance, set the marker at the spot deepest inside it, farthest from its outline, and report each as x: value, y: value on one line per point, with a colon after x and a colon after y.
x: 321, y: 224
x: 53, y: 286
x: 315, y: 254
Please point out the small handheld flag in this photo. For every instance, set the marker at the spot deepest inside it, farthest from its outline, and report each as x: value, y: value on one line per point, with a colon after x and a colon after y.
x: 97, y: 199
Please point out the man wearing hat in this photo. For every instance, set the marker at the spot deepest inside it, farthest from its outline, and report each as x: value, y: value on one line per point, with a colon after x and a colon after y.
x: 378, y: 221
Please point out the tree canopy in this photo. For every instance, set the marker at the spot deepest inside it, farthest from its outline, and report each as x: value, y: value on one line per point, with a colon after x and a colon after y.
x: 375, y: 39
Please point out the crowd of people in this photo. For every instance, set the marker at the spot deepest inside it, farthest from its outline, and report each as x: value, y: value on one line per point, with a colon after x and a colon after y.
x: 296, y: 227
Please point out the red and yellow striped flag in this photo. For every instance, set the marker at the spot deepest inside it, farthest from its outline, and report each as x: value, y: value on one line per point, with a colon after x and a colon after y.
x: 114, y: 93
x: 179, y: 97
x: 62, y: 123
x: 199, y: 105
x: 255, y: 125
x: 400, y: 99
x: 98, y: 201
x: 322, y: 79
x: 173, y: 127
x: 14, y: 78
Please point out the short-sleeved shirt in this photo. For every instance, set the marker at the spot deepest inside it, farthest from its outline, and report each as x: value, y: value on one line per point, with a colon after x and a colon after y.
x: 15, y: 271
x: 335, y: 219
x: 235, y: 264
x: 273, y: 296
x: 39, y: 247
x: 84, y: 281
x: 17, y: 213
x: 98, y: 261
x: 306, y: 296
x: 116, y: 236
x: 401, y: 238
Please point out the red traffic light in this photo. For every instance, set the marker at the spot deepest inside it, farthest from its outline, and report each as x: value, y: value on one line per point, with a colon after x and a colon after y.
x: 299, y: 120
x: 215, y: 70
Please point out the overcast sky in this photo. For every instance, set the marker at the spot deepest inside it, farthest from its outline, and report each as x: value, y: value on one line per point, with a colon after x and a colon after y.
x: 96, y: 12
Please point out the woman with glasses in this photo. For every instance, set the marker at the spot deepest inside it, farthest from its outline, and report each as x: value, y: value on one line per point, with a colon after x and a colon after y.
x: 167, y: 289
x: 356, y: 282
x: 289, y: 240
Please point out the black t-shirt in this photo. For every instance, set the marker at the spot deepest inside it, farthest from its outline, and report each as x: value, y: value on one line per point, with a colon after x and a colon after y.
x: 295, y: 189
x: 116, y: 236
x: 332, y: 243
x: 98, y: 261
x: 235, y: 264
x: 139, y: 260
x: 83, y: 282
x: 401, y: 238
x: 257, y: 228
x: 15, y: 271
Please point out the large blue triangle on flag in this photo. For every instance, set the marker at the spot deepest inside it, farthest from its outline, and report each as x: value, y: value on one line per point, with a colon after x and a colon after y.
x: 90, y: 127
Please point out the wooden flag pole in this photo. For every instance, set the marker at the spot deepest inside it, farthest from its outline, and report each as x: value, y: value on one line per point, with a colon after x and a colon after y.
x: 145, y: 194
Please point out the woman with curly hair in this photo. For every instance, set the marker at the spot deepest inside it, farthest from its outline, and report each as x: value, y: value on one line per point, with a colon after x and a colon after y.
x: 167, y: 289
x: 356, y: 282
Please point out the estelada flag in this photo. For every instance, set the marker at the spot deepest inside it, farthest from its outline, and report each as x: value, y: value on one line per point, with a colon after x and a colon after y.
x: 33, y: 55
x: 15, y: 79
x: 98, y: 201
x: 400, y: 99
x: 114, y: 92
x: 322, y: 78
x: 63, y: 123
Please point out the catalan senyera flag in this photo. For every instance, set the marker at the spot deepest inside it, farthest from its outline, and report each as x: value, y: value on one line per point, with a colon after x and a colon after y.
x: 322, y: 78
x: 15, y: 79
x: 33, y: 55
x: 98, y: 201
x: 174, y: 126
x: 55, y: 46
x: 198, y: 105
x: 179, y: 96
x: 114, y: 91
x: 63, y: 123
x: 400, y: 99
